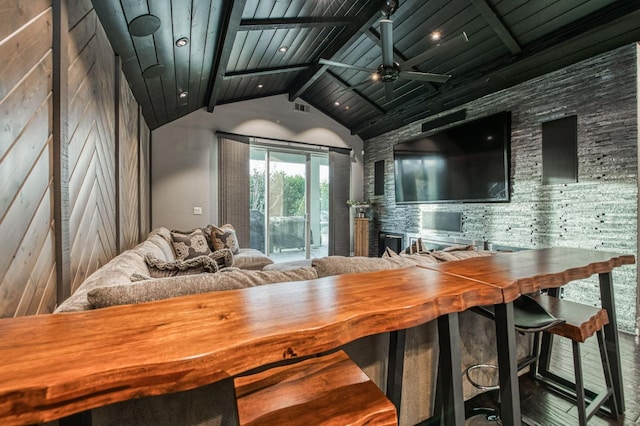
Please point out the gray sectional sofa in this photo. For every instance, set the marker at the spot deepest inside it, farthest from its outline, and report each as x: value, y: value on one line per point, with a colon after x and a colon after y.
x: 125, y: 280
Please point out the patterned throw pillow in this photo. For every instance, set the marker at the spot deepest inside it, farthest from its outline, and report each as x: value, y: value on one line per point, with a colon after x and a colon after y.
x: 224, y: 237
x: 190, y: 245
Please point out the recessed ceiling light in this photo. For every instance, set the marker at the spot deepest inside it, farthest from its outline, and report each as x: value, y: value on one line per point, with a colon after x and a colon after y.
x: 260, y: 86
x: 336, y: 103
x: 283, y: 49
x: 144, y: 25
x: 435, y: 36
x: 346, y: 107
x: 183, y: 95
x: 182, y: 41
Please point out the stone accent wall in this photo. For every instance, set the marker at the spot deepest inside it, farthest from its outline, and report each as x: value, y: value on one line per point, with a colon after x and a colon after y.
x: 599, y: 212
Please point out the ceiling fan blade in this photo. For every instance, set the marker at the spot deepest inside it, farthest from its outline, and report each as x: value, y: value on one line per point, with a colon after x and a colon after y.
x: 341, y: 65
x: 388, y: 91
x: 436, y: 50
x: 386, y: 36
x: 356, y: 86
x: 424, y: 76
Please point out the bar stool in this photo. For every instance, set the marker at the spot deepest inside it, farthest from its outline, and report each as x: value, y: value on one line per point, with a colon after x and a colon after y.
x: 575, y: 321
x: 529, y: 317
x: 582, y: 322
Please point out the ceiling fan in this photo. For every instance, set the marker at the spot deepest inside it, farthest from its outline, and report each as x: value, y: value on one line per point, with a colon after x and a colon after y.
x: 390, y: 71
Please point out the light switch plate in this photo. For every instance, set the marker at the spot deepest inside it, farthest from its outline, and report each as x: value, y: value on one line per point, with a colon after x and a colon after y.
x: 197, y: 210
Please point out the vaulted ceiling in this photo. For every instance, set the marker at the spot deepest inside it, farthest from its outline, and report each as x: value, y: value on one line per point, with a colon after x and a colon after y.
x: 245, y: 49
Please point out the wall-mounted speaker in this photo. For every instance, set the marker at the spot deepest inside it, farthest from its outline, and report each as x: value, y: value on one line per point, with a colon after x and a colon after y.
x: 560, y: 150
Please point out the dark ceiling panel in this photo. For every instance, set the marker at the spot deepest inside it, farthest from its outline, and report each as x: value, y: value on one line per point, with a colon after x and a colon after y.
x: 233, y: 54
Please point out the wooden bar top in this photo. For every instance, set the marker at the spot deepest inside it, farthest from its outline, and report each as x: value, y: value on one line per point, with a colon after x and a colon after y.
x: 528, y: 271
x: 57, y: 365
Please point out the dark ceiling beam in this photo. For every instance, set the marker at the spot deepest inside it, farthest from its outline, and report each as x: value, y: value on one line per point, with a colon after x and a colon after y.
x: 340, y: 44
x: 251, y: 97
x: 232, y: 16
x: 292, y: 23
x: 266, y: 71
x: 613, y: 33
x: 343, y: 83
x: 496, y: 24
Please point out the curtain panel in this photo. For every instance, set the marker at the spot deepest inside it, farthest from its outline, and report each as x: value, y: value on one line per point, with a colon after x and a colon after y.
x: 233, y: 186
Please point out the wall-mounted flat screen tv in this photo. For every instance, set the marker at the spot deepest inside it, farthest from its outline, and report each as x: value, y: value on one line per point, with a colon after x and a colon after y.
x: 465, y: 163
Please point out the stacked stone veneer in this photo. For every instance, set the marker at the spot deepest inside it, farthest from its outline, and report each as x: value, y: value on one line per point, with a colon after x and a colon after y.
x: 599, y: 212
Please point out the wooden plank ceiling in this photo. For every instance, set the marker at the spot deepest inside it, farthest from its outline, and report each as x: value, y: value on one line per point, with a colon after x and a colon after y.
x: 234, y: 51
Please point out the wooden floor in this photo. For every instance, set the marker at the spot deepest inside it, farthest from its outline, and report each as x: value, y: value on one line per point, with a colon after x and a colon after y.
x: 546, y: 408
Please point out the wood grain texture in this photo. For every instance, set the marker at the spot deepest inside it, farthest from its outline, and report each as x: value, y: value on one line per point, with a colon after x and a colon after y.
x: 23, y: 49
x: 328, y: 390
x: 27, y: 259
x: 67, y: 363
x: 361, y: 237
x: 582, y: 321
x: 91, y: 146
x: 128, y: 170
x: 144, y: 174
x: 528, y: 271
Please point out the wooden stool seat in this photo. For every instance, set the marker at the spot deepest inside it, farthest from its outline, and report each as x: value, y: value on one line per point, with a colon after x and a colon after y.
x: 581, y: 322
x: 327, y: 390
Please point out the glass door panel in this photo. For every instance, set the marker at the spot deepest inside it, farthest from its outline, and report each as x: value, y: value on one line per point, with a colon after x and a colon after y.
x: 289, y: 209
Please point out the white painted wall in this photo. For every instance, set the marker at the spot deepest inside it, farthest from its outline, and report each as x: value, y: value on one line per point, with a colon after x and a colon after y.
x: 184, y: 154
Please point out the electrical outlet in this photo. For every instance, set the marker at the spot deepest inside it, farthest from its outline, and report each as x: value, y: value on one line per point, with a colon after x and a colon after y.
x: 197, y: 210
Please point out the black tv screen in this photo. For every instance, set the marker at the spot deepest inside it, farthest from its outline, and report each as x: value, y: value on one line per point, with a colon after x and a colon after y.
x: 465, y: 163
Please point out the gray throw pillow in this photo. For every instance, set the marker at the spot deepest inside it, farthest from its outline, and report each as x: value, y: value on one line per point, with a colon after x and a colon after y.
x: 198, y: 265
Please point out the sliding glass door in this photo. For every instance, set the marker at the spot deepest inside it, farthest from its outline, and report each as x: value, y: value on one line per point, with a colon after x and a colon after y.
x: 289, y: 202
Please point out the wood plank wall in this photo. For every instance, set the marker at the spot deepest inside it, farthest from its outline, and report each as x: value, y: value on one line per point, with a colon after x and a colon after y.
x: 28, y: 279
x: 129, y: 179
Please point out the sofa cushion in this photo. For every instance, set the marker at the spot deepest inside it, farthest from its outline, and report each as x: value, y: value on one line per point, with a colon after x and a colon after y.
x: 285, y: 266
x: 419, y: 259
x: 190, y: 245
x: 336, y: 265
x: 461, y: 253
x: 248, y: 258
x: 164, y: 288
x: 224, y: 237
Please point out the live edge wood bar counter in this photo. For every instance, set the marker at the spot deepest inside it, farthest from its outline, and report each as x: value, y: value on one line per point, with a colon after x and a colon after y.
x: 528, y: 271
x: 55, y: 365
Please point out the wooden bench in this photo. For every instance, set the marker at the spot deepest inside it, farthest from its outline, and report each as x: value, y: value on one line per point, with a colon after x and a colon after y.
x: 326, y: 390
